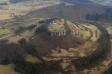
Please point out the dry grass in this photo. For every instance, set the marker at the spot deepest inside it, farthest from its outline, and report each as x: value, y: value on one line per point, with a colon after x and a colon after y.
x: 109, y: 29
x: 3, y: 31
x: 17, y: 10
x: 22, y: 9
x: 86, y: 34
x: 31, y: 59
x: 7, y: 69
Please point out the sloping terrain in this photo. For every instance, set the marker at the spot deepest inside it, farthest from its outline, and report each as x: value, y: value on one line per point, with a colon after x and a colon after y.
x: 29, y: 47
x: 71, y: 45
x: 21, y: 7
x: 103, y: 2
x: 76, y: 12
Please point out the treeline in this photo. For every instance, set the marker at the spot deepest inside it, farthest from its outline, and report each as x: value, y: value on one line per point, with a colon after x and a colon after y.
x: 105, y: 16
x: 43, y: 67
x: 109, y: 71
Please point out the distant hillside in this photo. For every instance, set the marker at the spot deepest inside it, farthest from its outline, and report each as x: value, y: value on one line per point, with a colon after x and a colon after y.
x: 103, y: 2
x: 16, y: 1
x: 76, y: 12
x: 78, y: 1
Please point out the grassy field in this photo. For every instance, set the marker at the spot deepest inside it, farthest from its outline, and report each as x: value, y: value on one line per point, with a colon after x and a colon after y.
x: 7, y: 69
x: 90, y: 31
x: 4, y: 31
x: 13, y: 10
x: 9, y: 11
x: 31, y: 59
x: 109, y: 29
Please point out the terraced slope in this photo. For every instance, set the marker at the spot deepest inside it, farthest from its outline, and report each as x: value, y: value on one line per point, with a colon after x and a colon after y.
x: 56, y: 45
